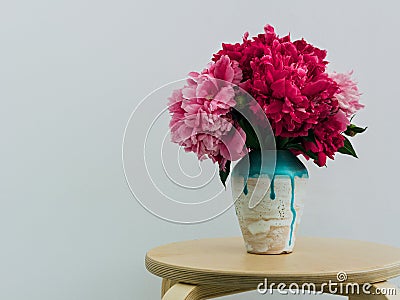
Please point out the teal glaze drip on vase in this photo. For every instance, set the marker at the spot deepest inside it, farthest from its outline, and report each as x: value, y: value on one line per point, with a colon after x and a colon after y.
x: 284, y: 199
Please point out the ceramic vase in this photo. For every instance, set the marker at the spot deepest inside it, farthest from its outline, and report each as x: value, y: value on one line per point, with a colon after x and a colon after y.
x: 270, y: 226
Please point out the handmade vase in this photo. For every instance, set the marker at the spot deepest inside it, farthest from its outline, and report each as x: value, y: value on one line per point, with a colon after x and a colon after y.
x: 270, y: 226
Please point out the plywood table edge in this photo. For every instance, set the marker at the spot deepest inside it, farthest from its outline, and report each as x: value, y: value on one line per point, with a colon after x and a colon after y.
x: 204, y: 276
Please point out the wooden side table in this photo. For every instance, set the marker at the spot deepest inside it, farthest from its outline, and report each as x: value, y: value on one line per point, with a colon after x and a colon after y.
x: 210, y: 268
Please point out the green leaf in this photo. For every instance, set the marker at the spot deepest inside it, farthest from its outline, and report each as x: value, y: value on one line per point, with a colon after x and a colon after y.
x: 251, y: 137
x: 348, y: 148
x: 296, y: 146
x: 281, y: 142
x: 352, y: 130
x: 223, y: 175
x: 310, y: 137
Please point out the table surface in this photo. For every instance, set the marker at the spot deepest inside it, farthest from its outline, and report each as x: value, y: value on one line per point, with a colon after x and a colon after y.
x: 224, y: 261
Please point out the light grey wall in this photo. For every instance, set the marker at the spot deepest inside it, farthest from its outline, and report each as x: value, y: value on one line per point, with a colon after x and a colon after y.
x: 70, y: 74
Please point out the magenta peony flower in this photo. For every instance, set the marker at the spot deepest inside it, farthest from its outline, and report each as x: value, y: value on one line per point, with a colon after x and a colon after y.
x: 348, y: 95
x: 201, y: 120
x: 287, y: 79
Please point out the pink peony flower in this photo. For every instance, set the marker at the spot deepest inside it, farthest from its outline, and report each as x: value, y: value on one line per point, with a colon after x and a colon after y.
x: 201, y: 120
x: 348, y: 95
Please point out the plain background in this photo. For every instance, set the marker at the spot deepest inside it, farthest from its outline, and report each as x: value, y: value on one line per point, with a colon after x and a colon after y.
x: 71, y: 72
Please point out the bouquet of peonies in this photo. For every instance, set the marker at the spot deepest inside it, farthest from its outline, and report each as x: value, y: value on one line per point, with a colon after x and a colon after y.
x: 309, y: 109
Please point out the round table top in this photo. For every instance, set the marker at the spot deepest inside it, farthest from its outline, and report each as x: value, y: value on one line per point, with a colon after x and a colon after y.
x: 223, y: 261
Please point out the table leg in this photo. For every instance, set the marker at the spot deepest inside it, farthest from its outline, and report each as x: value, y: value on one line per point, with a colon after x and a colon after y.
x: 379, y: 291
x: 183, y: 291
x: 166, y: 285
x: 180, y: 291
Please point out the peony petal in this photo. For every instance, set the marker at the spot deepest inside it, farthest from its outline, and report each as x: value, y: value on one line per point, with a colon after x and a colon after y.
x: 278, y: 88
x: 315, y: 87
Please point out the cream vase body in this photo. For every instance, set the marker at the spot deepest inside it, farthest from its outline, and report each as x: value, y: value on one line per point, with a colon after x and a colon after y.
x: 270, y: 226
